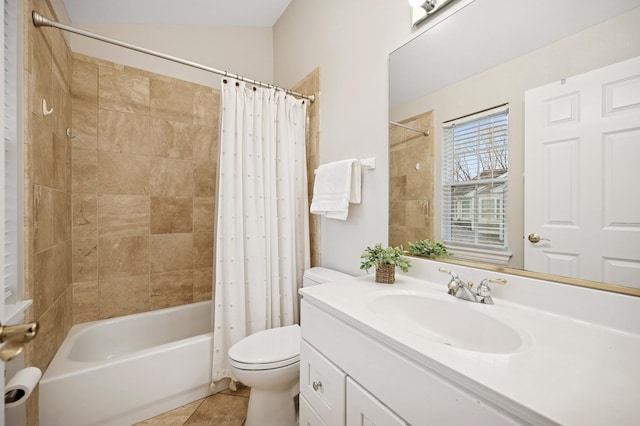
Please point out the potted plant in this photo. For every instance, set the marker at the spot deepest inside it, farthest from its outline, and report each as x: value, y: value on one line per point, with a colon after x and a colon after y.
x: 428, y: 248
x: 385, y: 260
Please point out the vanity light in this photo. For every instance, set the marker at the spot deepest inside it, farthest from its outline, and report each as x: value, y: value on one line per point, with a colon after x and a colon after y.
x: 423, y: 9
x: 427, y: 5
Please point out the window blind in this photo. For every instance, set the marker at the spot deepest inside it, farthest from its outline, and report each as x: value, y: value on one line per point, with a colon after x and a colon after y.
x: 10, y: 152
x: 474, y: 180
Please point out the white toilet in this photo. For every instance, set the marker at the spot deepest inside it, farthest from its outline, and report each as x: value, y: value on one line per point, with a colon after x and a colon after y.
x: 269, y: 363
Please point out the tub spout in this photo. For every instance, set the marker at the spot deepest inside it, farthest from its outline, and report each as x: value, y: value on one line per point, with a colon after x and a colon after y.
x: 21, y: 333
x: 15, y: 337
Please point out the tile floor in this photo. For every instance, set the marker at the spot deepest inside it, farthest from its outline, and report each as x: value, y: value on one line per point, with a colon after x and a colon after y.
x: 226, y: 408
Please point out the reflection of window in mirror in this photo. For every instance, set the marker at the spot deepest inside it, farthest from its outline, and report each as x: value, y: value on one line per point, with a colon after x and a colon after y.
x: 475, y: 159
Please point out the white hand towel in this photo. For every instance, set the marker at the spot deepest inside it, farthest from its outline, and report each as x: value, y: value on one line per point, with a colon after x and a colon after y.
x: 336, y: 185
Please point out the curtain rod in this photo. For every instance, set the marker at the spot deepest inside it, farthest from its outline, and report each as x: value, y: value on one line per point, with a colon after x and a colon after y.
x: 404, y: 126
x: 41, y: 21
x: 477, y: 112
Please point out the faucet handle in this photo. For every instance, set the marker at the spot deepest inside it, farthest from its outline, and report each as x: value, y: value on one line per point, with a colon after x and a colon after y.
x: 446, y: 271
x: 484, y: 291
x: 454, y: 283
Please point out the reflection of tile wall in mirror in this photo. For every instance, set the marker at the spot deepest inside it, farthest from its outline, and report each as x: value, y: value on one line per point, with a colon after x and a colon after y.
x: 411, y: 157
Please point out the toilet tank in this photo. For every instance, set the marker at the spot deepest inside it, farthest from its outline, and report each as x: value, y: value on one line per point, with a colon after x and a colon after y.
x: 319, y: 275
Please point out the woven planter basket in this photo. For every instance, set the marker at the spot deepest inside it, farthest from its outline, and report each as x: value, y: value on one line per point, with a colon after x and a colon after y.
x: 386, y: 274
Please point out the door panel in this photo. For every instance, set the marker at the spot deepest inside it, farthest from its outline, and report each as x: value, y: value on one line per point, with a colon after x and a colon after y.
x: 582, y: 177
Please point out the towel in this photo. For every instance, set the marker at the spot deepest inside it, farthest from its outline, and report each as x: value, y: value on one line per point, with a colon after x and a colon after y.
x: 337, y: 184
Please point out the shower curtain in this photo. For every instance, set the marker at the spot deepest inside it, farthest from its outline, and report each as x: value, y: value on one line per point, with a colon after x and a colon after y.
x: 262, y: 244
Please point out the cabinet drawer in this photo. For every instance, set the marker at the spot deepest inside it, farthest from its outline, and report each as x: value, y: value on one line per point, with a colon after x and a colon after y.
x: 363, y: 409
x: 307, y: 416
x: 322, y: 384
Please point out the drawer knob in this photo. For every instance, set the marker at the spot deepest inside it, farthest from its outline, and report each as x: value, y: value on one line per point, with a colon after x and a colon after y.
x: 316, y: 385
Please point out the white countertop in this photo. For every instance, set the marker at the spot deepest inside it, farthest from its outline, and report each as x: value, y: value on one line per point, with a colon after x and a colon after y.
x: 570, y: 371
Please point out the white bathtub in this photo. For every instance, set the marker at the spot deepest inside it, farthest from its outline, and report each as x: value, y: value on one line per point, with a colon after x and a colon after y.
x: 123, y: 370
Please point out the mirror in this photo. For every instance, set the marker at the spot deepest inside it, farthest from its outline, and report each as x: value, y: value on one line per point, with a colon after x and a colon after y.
x: 485, y: 53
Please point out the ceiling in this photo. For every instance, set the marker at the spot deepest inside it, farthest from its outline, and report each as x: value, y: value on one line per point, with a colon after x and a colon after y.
x: 219, y: 13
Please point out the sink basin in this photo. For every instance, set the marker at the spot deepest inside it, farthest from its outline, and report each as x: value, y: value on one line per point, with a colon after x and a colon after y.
x: 452, y: 322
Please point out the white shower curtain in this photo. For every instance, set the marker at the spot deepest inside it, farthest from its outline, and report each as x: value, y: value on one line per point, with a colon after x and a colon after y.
x: 262, y: 245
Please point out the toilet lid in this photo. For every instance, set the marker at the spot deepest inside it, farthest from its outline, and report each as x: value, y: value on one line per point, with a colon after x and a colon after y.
x: 271, y: 348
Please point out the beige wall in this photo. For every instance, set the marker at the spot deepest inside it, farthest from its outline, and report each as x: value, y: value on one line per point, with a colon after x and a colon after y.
x: 244, y: 51
x: 144, y: 166
x: 350, y: 42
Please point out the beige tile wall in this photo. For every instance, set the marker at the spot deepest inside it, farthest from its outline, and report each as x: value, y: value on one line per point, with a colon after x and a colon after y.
x: 411, y: 175
x: 311, y: 85
x: 144, y: 178
x: 47, y: 75
x: 47, y: 189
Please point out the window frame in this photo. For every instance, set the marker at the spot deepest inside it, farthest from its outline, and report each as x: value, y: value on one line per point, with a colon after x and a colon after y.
x: 479, y: 185
x: 11, y: 163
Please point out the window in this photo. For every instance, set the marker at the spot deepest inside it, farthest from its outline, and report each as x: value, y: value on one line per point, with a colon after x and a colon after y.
x: 474, y: 180
x: 9, y: 161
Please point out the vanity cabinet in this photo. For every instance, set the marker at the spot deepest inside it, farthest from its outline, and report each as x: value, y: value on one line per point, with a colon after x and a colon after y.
x: 307, y: 416
x: 322, y: 387
x: 329, y: 397
x: 361, y: 379
x: 363, y: 409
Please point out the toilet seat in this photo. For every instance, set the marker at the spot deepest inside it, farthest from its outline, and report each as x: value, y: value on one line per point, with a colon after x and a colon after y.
x: 264, y: 366
x: 268, y: 349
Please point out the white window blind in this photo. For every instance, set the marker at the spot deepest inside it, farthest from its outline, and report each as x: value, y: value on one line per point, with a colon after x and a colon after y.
x: 10, y: 152
x: 474, y: 180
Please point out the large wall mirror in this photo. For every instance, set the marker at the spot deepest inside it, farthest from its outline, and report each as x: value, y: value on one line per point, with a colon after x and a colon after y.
x: 489, y: 53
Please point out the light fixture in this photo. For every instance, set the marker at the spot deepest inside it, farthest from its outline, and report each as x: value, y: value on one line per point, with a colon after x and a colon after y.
x: 423, y: 9
x: 427, y: 5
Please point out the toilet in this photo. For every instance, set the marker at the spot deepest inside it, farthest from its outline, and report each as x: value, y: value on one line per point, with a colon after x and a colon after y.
x: 269, y: 363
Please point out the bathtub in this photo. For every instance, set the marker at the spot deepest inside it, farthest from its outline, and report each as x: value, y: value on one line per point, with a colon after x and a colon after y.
x: 123, y: 370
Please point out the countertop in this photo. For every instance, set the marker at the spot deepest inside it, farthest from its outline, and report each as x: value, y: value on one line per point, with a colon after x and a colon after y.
x: 569, y: 371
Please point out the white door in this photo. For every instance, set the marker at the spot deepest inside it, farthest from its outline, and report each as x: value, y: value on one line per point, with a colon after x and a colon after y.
x: 582, y: 176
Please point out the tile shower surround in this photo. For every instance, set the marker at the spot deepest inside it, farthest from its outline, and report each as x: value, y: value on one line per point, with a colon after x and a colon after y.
x: 144, y: 179
x: 143, y: 186
x: 47, y: 74
x: 118, y: 219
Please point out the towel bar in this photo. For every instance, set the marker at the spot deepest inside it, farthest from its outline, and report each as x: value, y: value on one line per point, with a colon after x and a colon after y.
x: 366, y: 163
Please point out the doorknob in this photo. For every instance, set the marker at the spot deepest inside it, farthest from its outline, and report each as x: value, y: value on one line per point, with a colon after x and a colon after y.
x: 15, y: 337
x: 535, y: 238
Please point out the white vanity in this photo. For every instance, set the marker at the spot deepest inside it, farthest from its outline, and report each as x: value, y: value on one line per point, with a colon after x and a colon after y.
x: 409, y: 353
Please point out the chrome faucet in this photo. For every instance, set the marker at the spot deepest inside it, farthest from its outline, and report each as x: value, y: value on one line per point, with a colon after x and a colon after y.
x: 461, y: 290
x: 458, y: 288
